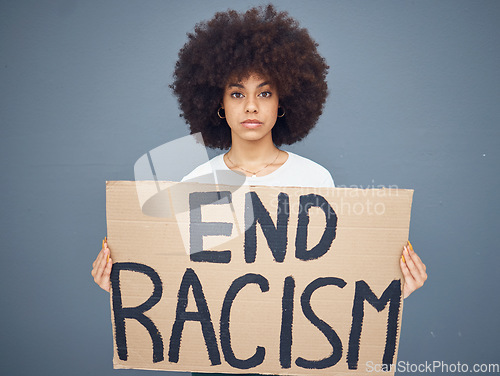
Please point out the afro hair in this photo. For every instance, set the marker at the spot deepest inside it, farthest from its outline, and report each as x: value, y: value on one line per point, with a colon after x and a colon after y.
x: 261, y: 41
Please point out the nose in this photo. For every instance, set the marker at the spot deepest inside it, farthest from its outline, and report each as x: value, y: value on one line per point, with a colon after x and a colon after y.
x: 251, y: 106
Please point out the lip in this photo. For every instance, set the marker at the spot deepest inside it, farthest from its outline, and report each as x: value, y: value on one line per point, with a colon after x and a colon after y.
x: 251, y: 123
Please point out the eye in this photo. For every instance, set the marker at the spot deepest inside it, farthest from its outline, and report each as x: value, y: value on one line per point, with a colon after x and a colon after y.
x: 237, y: 95
x: 265, y: 94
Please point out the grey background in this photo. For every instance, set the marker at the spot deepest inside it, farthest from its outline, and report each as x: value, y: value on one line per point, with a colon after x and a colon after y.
x: 414, y: 102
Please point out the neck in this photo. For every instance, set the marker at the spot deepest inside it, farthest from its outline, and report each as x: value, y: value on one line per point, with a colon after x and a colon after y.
x: 252, y: 153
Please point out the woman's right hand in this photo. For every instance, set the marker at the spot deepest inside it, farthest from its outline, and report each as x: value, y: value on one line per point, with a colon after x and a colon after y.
x: 101, y: 268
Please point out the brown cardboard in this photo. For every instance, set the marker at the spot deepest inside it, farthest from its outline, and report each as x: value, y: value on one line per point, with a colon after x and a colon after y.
x: 371, y: 229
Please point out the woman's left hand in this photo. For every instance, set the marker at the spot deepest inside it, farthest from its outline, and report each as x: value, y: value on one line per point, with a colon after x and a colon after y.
x: 413, y: 269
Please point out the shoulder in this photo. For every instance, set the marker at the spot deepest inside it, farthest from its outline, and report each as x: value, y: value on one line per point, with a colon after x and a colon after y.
x: 310, y: 173
x: 300, y: 161
x: 206, y: 169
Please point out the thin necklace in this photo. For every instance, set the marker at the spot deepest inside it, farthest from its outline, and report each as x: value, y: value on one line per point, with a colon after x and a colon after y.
x: 254, y: 174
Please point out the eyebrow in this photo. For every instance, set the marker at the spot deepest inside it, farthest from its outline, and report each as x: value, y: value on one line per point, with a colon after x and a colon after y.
x: 242, y: 87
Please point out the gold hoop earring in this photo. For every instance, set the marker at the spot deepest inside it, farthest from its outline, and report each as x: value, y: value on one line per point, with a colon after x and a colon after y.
x: 282, y: 109
x: 218, y: 113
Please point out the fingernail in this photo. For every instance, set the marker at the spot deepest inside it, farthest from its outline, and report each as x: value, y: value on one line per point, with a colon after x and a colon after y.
x: 403, y: 258
x: 411, y: 247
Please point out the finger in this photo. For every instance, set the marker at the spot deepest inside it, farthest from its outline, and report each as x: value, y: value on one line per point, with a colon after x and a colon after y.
x: 413, y: 253
x: 411, y: 284
x: 408, y: 287
x: 410, y: 246
x: 406, y: 271
x: 100, y: 266
x: 418, y: 262
x: 97, y: 261
x: 108, y: 256
x: 104, y: 245
x: 416, y: 265
x: 105, y: 283
x: 409, y: 261
x: 417, y: 280
x: 410, y: 265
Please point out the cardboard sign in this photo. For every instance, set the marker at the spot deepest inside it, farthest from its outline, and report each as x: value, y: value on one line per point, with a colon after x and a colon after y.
x: 288, y: 281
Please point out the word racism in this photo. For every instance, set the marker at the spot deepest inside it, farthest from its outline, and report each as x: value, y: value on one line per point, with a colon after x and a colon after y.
x: 258, y: 289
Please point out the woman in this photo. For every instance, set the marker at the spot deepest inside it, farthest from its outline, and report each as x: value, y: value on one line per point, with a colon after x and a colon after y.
x: 251, y: 82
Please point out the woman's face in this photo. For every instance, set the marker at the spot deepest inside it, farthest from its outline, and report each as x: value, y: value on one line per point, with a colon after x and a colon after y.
x: 251, y: 107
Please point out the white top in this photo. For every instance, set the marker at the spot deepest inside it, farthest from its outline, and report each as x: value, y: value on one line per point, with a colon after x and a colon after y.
x: 297, y: 171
